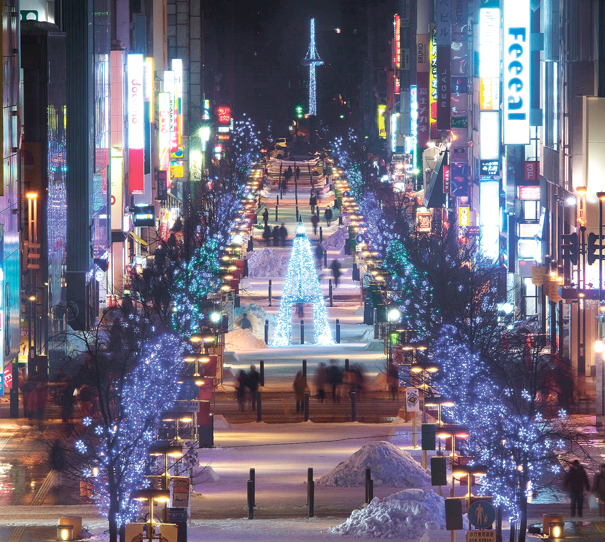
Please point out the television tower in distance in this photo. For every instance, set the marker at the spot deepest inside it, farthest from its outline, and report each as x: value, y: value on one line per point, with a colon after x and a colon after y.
x: 312, y: 59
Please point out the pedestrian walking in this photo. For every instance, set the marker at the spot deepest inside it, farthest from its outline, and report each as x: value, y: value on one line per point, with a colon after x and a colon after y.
x: 276, y: 236
x: 252, y: 381
x: 300, y: 387
x: 266, y: 216
x: 315, y: 223
x: 328, y: 216
x: 297, y: 173
x: 267, y: 234
x: 598, y: 487
x: 335, y: 266
x: 300, y: 310
x: 283, y: 234
x: 240, y: 390
x: 334, y: 379
x: 576, y: 481
x: 66, y: 400
x: 313, y: 202
x: 319, y: 254
x: 321, y: 379
x: 289, y: 172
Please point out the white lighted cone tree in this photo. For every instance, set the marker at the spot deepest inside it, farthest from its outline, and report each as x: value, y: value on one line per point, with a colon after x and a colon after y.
x: 301, y: 286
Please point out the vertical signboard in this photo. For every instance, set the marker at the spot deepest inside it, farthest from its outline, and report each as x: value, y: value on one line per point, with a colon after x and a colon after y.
x: 422, y: 79
x: 382, y: 128
x: 447, y: 179
x: 516, y: 69
x: 177, y: 69
x: 164, y: 135
x: 397, y: 52
x: 117, y: 189
x: 433, y: 83
x: 443, y: 88
x: 136, y: 125
x: 148, y: 86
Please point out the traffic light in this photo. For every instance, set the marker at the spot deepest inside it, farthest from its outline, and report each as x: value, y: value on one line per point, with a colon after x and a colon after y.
x: 299, y: 111
x: 594, y: 247
x: 571, y: 248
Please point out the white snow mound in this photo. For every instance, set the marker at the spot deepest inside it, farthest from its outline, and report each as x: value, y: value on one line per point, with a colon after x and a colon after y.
x: 405, y: 515
x: 241, y: 340
x: 257, y: 316
x: 266, y: 263
x: 389, y: 465
x: 336, y: 241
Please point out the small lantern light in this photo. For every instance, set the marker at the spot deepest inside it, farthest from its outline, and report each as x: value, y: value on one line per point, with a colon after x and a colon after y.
x: 65, y: 532
x: 556, y: 530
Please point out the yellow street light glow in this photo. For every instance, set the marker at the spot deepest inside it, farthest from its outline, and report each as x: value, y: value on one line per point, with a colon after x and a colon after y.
x: 31, y: 195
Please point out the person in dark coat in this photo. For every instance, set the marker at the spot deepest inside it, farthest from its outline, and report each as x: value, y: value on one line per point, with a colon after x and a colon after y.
x: 297, y: 172
x: 253, y: 381
x: 328, y: 216
x: 300, y: 387
x: 245, y: 323
x: 67, y: 400
x: 576, y: 481
x: 240, y: 390
x: 315, y: 222
x: 334, y: 374
x: 319, y: 254
x: 266, y: 216
x: 335, y: 266
x: 313, y: 202
x: 283, y: 234
x: 276, y: 236
x: 267, y: 234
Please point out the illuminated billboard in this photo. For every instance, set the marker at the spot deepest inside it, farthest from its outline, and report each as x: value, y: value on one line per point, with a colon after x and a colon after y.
x: 489, y: 212
x: 148, y: 86
x: 382, y: 128
x: 223, y: 114
x: 177, y: 69
x: 397, y: 52
x: 489, y: 148
x: 164, y: 135
x: 516, y: 69
x: 136, y: 125
x: 489, y: 42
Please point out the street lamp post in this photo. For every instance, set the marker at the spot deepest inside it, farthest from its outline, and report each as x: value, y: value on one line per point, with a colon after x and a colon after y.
x: 151, y: 495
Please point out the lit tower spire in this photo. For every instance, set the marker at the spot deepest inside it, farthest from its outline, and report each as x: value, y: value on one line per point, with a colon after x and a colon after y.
x: 312, y: 59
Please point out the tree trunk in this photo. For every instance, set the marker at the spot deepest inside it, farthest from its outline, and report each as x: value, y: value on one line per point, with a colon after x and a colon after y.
x: 113, y: 525
x: 523, y: 524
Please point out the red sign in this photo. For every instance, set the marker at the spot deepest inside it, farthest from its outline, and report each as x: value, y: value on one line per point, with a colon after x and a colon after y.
x: 531, y: 193
x: 224, y: 115
x: 447, y: 180
x: 531, y: 171
x: 8, y: 376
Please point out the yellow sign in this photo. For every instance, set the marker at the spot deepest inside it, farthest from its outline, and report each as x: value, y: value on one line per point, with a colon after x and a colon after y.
x: 382, y: 128
x: 481, y: 535
x: 489, y: 90
x: 463, y: 216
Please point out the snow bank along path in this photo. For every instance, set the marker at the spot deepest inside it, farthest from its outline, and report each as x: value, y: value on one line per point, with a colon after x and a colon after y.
x: 407, y: 514
x: 390, y: 466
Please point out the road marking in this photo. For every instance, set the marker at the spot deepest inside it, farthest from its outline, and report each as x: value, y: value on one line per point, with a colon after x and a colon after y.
x: 38, y: 499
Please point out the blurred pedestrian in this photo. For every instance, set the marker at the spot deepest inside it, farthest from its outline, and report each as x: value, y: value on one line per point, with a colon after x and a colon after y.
x: 335, y: 266
x: 267, y: 234
x: 300, y: 310
x: 276, y: 236
x: 245, y: 323
x: 348, y: 381
x: 360, y: 379
x: 319, y: 254
x: 266, y: 216
x: 37, y: 404
x: 313, y: 202
x: 300, y: 387
x: 598, y: 487
x: 334, y: 379
x: 240, y: 390
x: 315, y: 222
x: 283, y: 234
x: 321, y: 379
x: 328, y: 216
x: 297, y: 173
x: 576, y: 481
x: 66, y: 400
x: 252, y: 381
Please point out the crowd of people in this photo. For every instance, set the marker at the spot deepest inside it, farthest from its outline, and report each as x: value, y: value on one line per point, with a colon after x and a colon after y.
x: 246, y: 388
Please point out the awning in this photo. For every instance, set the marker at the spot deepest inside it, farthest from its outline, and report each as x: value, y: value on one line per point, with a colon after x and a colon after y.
x: 434, y: 197
x: 138, y: 239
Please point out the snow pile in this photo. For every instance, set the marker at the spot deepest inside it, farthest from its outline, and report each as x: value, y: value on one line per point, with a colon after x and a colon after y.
x: 203, y: 474
x: 406, y: 515
x: 389, y: 465
x: 336, y: 241
x: 257, y: 316
x: 266, y: 263
x: 241, y: 340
